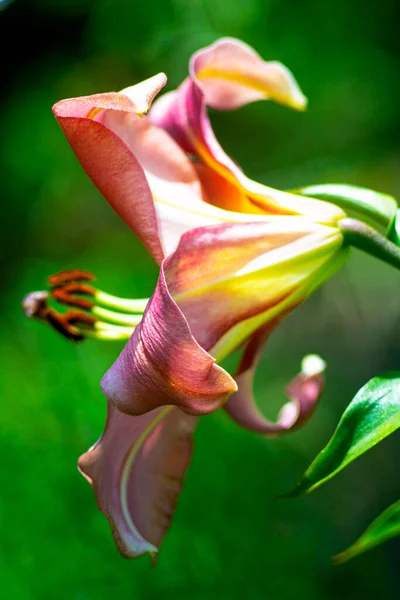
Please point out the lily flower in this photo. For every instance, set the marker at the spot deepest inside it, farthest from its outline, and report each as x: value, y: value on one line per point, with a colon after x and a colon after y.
x: 226, y: 286
x: 236, y: 257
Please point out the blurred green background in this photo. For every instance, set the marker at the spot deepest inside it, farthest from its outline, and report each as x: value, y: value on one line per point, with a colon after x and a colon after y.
x: 231, y: 537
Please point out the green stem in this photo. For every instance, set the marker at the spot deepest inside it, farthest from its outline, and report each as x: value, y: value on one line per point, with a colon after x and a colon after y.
x: 365, y: 238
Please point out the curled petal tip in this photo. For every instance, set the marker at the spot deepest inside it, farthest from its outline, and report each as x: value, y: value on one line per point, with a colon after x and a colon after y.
x: 304, y: 392
x: 142, y: 94
x: 283, y: 87
x: 233, y: 74
x: 312, y: 364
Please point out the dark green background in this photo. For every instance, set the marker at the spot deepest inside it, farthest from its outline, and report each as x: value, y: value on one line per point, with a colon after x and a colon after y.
x: 230, y: 538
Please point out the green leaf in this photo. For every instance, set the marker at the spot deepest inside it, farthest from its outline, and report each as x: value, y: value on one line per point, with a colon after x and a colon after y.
x: 373, y: 414
x: 385, y: 527
x: 373, y: 208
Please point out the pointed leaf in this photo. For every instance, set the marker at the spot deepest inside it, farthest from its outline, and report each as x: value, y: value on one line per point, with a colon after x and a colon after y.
x: 385, y: 527
x: 372, y: 415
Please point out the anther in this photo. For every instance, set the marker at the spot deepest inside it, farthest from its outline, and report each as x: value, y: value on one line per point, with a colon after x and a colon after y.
x: 35, y: 306
x: 67, y: 294
x: 64, y: 324
x: 85, y: 316
x: 69, y: 276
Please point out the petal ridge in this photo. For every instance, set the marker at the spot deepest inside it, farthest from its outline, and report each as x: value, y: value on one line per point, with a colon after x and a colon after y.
x: 137, y: 470
x: 163, y: 364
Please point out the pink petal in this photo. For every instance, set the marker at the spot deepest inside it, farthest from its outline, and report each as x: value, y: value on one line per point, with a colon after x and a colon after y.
x: 183, y: 114
x: 201, y: 140
x: 233, y: 74
x: 130, y: 160
x: 137, y: 470
x: 110, y: 163
x: 304, y: 390
x: 171, y: 176
x: 230, y: 74
x: 169, y: 113
x: 162, y: 364
x: 220, y: 278
x: 222, y: 275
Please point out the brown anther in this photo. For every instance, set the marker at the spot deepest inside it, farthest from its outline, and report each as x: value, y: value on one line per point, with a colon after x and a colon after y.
x: 68, y: 276
x: 66, y: 294
x: 78, y: 317
x: 64, y: 324
x: 35, y: 305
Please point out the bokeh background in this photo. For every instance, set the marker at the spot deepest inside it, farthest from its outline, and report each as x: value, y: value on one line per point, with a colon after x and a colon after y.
x: 231, y: 537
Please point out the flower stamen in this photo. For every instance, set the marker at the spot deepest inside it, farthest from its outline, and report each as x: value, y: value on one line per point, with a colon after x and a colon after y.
x: 66, y: 294
x: 90, y: 315
x: 69, y: 324
x: 69, y: 275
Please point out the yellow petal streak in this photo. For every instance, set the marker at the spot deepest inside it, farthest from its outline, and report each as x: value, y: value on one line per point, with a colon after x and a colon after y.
x: 126, y: 474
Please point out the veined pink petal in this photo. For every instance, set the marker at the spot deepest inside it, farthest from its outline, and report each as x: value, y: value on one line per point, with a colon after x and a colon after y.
x: 163, y: 364
x: 304, y: 391
x: 109, y: 162
x: 233, y: 74
x: 225, y: 274
x: 220, y: 277
x: 176, y: 190
x: 134, y: 163
x: 137, y: 470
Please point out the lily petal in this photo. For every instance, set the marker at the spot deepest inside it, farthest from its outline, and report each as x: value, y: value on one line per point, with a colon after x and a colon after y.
x: 233, y: 74
x: 137, y: 167
x: 183, y: 114
x: 304, y: 390
x: 142, y: 94
x: 163, y: 364
x: 225, y: 274
x: 137, y: 470
x: 225, y: 194
x: 108, y: 161
x: 220, y: 278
